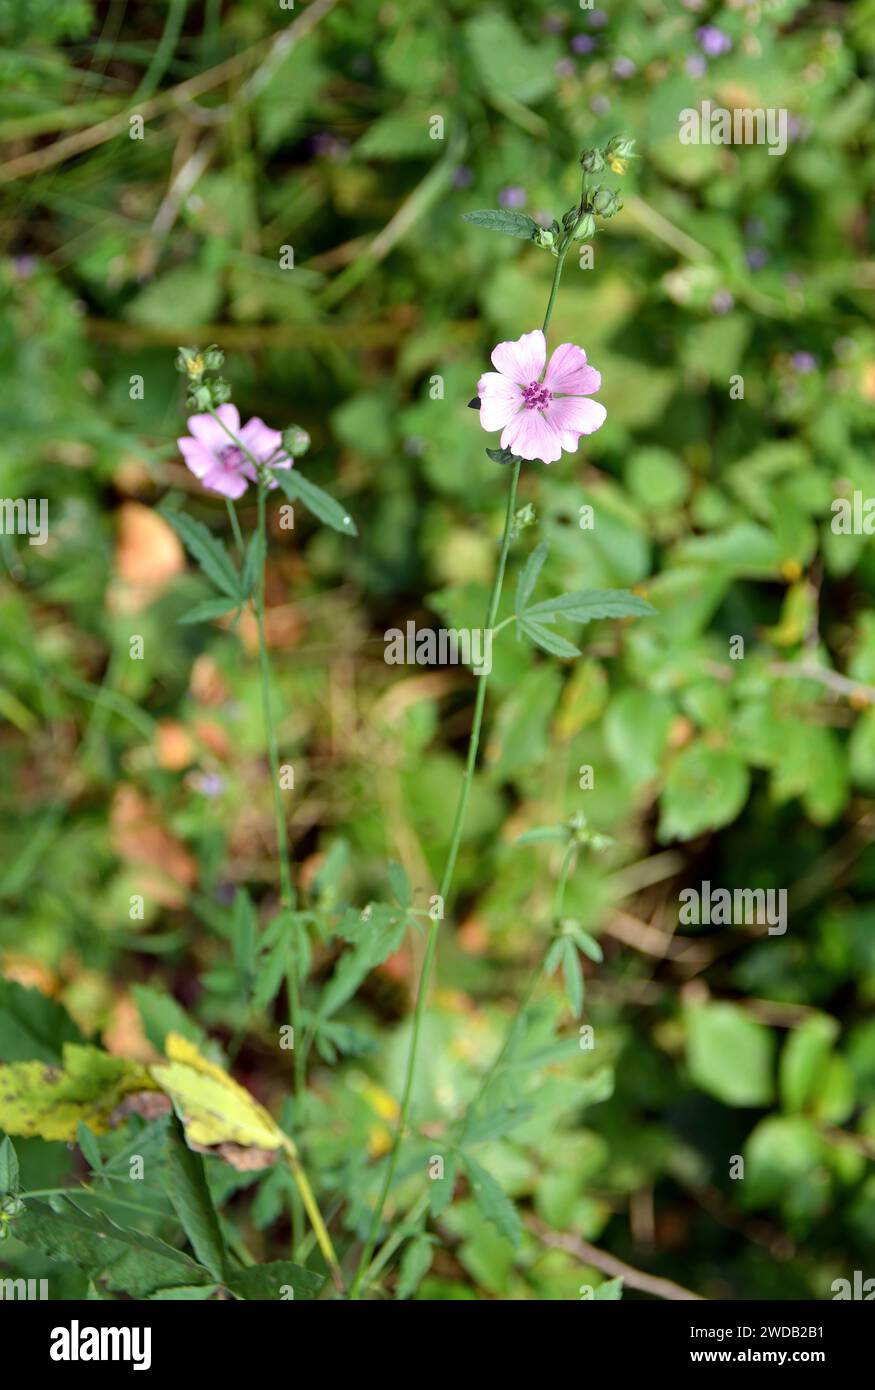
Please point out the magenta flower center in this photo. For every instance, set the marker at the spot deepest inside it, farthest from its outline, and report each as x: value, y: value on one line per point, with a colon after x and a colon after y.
x: 231, y: 456
x: 536, y: 396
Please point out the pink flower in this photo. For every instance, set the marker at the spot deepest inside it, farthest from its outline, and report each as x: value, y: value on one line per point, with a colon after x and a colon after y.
x: 539, y: 418
x: 211, y: 454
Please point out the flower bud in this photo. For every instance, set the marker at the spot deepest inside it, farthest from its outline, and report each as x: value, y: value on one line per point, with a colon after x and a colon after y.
x: 620, y: 147
x: 585, y: 227
x: 592, y: 161
x: 605, y: 202
x: 543, y: 237
x: 10, y: 1207
x: 296, y: 441
x: 190, y: 361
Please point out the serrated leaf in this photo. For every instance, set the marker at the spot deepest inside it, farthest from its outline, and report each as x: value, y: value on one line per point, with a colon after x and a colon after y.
x: 505, y: 220
x: 9, y: 1175
x: 213, y: 1107
x: 207, y: 551
x: 547, y: 639
x: 528, y: 577
x: 492, y: 1202
x: 415, y: 1264
x: 189, y: 1193
x: 271, y: 1281
x: 590, y: 604
x: 128, y: 1260
x: 299, y: 489
x: 209, y: 609
x: 51, y: 1101
x: 377, y: 942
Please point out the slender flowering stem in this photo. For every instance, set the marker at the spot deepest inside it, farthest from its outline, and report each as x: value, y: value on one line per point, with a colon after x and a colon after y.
x: 287, y: 892
x: 455, y: 841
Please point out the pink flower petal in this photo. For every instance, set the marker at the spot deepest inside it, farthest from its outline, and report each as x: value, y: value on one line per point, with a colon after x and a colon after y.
x: 573, y: 416
x: 209, y: 431
x: 500, y: 400
x: 568, y: 373
x: 260, y: 440
x: 532, y: 435
x: 228, y: 481
x: 523, y: 360
x: 198, y: 458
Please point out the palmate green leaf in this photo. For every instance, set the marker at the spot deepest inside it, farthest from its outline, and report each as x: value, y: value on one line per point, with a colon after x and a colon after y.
x: 32, y: 1026
x: 498, y: 1123
x: 299, y: 489
x: 547, y: 639
x: 209, y: 609
x: 528, y: 577
x: 589, y: 604
x: 275, y: 946
x: 244, y: 925
x: 128, y: 1260
x: 9, y: 1177
x: 517, y: 224
x: 273, y: 1281
x: 207, y: 551
x: 189, y: 1193
x: 381, y: 935
x: 492, y: 1202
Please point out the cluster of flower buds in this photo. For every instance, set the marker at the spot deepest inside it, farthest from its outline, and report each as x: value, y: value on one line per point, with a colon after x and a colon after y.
x: 194, y: 363
x: 582, y: 835
x: 579, y: 222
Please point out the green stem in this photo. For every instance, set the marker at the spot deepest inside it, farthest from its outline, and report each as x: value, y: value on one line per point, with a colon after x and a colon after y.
x: 455, y: 841
x: 287, y: 896
x: 235, y: 527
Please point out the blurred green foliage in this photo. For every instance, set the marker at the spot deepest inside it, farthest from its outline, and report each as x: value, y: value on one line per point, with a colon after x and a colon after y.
x: 726, y: 264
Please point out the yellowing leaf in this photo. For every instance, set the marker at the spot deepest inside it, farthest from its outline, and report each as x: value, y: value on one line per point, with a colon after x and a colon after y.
x: 212, y: 1106
x: 51, y: 1102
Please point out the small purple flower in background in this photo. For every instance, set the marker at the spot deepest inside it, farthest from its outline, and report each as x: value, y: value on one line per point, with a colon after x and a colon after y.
x: 623, y: 68
x: 463, y: 177
x: 565, y: 67
x: 804, y: 363
x: 327, y: 146
x: 512, y: 196
x: 583, y: 43
x: 597, y: 19
x: 214, y: 458
x: 207, y: 783
x: 713, y: 41
x: 539, y: 418
x: 24, y: 266
x: 695, y: 66
x: 756, y: 258
x: 553, y: 23
x: 722, y: 302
